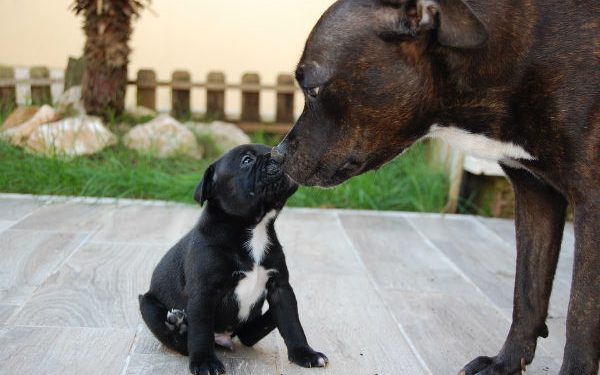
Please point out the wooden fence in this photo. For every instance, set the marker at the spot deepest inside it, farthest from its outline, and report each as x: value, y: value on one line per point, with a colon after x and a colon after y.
x: 181, y: 86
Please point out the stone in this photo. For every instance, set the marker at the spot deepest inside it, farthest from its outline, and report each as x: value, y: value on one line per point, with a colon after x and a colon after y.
x: 70, y: 103
x: 73, y: 136
x: 18, y: 135
x: 163, y: 137
x: 19, y: 116
x: 225, y: 135
x: 140, y: 111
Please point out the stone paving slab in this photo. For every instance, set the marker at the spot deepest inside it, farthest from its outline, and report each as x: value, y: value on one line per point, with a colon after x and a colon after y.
x: 380, y: 293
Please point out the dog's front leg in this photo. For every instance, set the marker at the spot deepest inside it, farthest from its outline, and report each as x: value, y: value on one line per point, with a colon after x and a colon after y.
x: 201, y: 333
x: 282, y: 302
x: 582, y: 350
x: 540, y: 218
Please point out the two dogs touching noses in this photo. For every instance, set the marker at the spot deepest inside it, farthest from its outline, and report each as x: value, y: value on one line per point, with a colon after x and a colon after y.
x: 520, y: 77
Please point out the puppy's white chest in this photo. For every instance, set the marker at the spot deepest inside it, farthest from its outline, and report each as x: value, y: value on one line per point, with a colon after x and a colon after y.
x: 479, y: 145
x: 259, y: 238
x: 250, y: 289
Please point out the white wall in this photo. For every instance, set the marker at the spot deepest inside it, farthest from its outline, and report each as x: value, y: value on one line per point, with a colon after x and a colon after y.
x: 265, y: 36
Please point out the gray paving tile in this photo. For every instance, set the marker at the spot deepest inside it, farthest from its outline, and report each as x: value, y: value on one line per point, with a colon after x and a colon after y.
x: 6, y: 224
x: 315, y: 243
x: 6, y: 312
x: 13, y: 209
x: 66, y: 217
x: 147, y: 224
x: 399, y: 258
x: 28, y: 258
x: 97, y: 287
x: 148, y: 364
x: 65, y: 351
x: 378, y: 293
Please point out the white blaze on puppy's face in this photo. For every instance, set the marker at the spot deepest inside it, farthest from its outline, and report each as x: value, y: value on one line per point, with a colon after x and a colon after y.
x: 252, y: 287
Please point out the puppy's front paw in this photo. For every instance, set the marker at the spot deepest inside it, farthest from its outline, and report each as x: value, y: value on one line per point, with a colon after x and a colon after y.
x: 209, y: 365
x: 306, y: 357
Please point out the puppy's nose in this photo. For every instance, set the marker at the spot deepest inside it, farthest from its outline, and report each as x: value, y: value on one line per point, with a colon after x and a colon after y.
x: 277, y: 154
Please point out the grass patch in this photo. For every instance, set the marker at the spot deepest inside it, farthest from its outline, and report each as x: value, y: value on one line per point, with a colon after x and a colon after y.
x: 404, y: 184
x: 115, y: 172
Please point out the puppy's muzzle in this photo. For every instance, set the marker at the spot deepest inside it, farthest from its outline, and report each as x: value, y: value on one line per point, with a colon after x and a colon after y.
x: 273, y: 170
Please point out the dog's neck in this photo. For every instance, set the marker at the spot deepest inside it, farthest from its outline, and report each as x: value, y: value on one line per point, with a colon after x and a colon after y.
x: 215, y: 221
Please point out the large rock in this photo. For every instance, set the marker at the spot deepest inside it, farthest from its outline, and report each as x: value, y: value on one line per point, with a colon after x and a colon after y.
x: 19, y: 116
x: 18, y: 135
x: 164, y: 137
x: 140, y: 112
x: 225, y: 135
x: 83, y: 135
x: 70, y: 103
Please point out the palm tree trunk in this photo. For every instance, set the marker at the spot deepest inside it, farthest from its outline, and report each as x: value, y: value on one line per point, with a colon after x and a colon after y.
x: 108, y: 28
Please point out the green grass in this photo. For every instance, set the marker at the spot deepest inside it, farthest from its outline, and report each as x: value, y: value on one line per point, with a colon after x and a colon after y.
x: 405, y: 184
x: 115, y: 172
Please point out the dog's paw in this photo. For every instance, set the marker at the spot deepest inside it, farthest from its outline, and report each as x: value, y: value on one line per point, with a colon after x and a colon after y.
x: 493, y: 366
x: 176, y: 321
x: 306, y: 357
x: 209, y: 365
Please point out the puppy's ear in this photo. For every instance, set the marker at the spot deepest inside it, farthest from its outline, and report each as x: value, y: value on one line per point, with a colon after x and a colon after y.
x: 204, y: 189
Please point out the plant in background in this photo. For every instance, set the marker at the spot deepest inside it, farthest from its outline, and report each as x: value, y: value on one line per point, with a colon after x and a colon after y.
x: 108, y: 28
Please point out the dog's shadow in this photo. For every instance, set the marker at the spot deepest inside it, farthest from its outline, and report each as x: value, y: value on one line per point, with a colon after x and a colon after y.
x: 148, y: 355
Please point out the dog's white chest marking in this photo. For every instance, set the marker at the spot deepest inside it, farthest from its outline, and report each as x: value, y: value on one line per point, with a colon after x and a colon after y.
x: 250, y: 289
x: 252, y: 286
x: 479, y: 145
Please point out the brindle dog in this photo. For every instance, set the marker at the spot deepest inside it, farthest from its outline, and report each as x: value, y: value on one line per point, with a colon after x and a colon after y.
x: 514, y: 81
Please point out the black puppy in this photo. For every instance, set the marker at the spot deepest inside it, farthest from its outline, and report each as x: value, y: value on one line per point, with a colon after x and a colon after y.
x: 213, y: 283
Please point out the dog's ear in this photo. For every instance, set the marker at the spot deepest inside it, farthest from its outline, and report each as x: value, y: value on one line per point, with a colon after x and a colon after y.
x: 396, y: 21
x: 453, y: 21
x: 204, y: 189
x: 458, y: 26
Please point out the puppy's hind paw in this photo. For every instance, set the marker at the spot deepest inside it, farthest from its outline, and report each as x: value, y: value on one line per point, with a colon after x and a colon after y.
x: 306, y: 357
x: 176, y: 320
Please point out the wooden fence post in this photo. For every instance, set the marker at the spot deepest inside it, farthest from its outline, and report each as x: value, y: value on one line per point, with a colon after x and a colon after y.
x: 180, y: 94
x: 40, y: 92
x: 215, y: 96
x: 146, y: 88
x: 74, y: 72
x: 285, y: 99
x: 250, y: 98
x: 8, y: 93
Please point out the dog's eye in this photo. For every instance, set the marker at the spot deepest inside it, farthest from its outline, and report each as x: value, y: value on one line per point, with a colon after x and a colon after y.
x: 313, y: 92
x: 247, y: 159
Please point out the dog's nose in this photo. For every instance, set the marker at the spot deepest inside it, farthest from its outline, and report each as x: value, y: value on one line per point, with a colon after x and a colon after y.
x: 277, y: 154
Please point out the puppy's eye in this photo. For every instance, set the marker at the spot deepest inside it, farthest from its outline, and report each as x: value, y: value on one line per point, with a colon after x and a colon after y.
x: 247, y: 159
x: 313, y: 92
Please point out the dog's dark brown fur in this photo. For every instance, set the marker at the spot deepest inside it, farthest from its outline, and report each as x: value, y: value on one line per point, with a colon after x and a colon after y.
x: 525, y: 72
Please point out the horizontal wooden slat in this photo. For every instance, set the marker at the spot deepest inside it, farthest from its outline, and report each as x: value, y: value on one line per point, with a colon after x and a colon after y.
x: 219, y: 86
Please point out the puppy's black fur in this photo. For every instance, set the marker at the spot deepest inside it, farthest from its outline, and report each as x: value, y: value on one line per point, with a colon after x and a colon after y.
x: 215, y: 280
